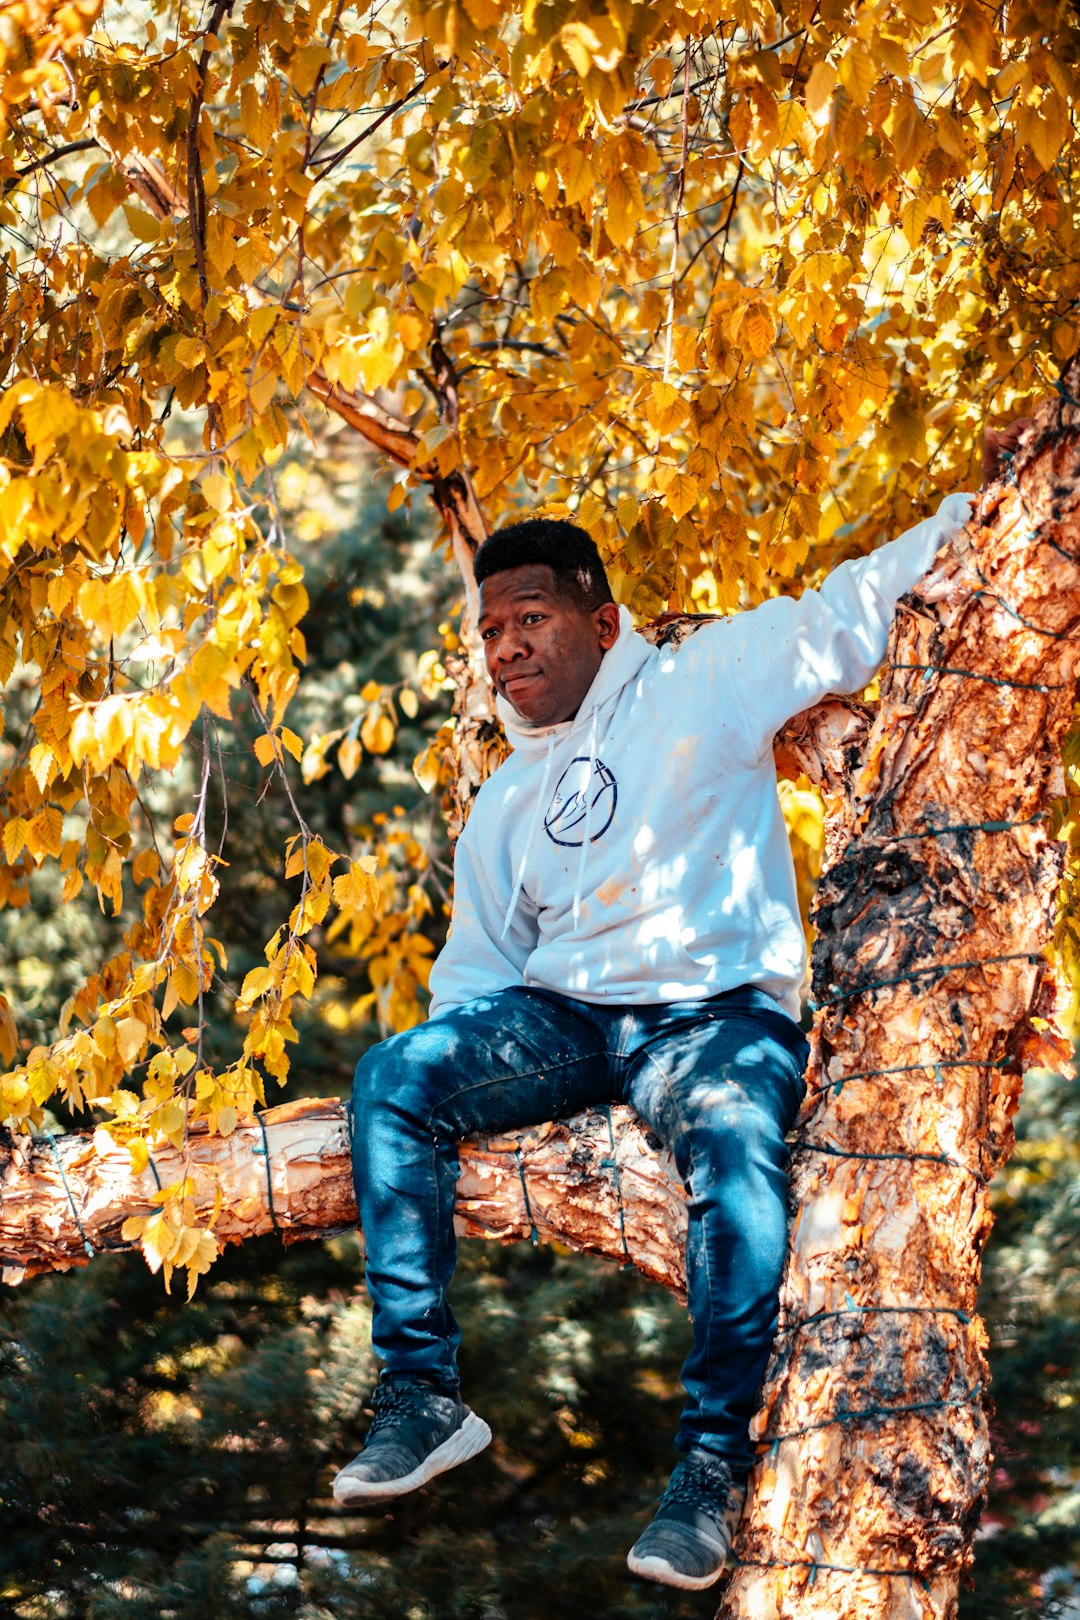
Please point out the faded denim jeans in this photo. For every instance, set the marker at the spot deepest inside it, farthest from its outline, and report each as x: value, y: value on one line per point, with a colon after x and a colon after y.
x: 718, y: 1081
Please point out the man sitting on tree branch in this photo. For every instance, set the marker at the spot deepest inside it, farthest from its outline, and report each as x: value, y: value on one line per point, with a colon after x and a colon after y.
x: 625, y: 929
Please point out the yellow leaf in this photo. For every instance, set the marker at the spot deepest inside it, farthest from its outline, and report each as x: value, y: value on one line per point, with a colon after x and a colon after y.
x: 1064, y: 340
x: 268, y: 123
x: 46, y: 416
x: 311, y: 910
x: 625, y: 206
x: 665, y: 408
x: 225, y: 1121
x: 681, y: 494
x: 292, y: 742
x: 47, y: 831
x: 143, y: 226
x: 846, y: 121
x: 408, y: 702
x: 357, y: 887
x: 217, y: 491
x: 256, y: 983
x: 130, y: 1035
x: 125, y: 599
x: 349, y: 756
x: 42, y: 761
x: 426, y: 768
x: 259, y: 114
x: 913, y: 218
x: 741, y: 123
x: 306, y: 65
x: 61, y: 592
x: 412, y: 329
x: 313, y: 762
x: 15, y: 833
x: 9, y: 1035
x: 189, y: 351
x: 577, y: 174
x: 759, y: 330
x: 858, y: 73
x: 591, y: 44
x: 908, y: 131
x: 378, y: 731
x: 265, y: 749
x: 627, y: 512
x: 206, y: 1252
x: 1044, y: 129
x: 950, y: 134
x: 973, y: 44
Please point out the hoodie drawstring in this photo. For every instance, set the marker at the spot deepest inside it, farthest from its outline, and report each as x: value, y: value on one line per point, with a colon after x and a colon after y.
x: 515, y: 893
x: 580, y: 879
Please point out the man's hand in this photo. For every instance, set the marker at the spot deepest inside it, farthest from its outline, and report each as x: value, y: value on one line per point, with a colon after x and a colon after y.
x: 997, y: 445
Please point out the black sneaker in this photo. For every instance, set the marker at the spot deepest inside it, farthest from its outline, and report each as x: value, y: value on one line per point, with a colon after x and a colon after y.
x: 688, y: 1541
x: 416, y: 1433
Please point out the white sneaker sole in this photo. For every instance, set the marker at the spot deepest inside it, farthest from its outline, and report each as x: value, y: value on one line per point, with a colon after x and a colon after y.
x: 658, y: 1569
x: 464, y: 1443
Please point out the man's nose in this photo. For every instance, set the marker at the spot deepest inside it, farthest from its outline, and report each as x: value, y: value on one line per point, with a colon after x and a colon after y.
x: 510, y: 646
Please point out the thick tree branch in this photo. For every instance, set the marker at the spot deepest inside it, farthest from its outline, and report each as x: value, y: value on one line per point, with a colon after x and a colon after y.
x: 58, y: 1196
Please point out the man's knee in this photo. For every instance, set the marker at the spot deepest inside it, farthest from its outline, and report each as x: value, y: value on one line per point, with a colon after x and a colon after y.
x: 403, y: 1072
x: 734, y: 1144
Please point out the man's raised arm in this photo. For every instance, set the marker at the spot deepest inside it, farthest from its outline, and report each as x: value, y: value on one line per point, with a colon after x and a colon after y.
x: 788, y: 654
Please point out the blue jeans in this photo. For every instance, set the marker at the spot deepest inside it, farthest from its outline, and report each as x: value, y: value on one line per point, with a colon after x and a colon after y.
x: 718, y: 1081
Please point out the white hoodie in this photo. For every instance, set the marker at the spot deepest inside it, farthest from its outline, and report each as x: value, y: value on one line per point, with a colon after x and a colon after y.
x: 638, y: 853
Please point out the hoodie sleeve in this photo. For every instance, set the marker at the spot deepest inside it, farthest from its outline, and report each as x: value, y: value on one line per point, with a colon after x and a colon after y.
x: 789, y: 653
x: 478, y: 959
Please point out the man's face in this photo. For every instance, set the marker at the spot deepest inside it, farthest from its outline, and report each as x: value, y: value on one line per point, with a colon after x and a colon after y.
x: 542, y: 650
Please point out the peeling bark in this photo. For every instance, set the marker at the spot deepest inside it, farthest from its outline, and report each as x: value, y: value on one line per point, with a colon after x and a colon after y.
x: 929, y: 965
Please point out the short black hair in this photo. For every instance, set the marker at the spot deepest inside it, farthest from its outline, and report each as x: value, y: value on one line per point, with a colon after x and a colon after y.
x: 568, y: 551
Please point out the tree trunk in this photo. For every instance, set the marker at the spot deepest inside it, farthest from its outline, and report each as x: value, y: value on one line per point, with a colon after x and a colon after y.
x: 927, y: 972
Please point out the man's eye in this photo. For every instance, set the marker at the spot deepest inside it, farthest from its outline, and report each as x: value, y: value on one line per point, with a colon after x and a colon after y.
x: 529, y: 616
x: 486, y: 635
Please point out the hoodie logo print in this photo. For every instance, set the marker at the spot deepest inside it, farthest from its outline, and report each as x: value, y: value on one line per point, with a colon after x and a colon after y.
x: 564, y: 820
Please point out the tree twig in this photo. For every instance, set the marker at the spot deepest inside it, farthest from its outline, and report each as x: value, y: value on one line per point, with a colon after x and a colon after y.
x: 54, y: 156
x: 358, y: 140
x: 677, y: 221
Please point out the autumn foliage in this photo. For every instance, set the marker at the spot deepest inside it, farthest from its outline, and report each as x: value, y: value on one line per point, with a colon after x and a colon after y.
x: 736, y: 287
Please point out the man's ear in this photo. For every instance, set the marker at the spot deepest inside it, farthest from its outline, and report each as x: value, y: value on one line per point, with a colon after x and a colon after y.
x: 607, y: 625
